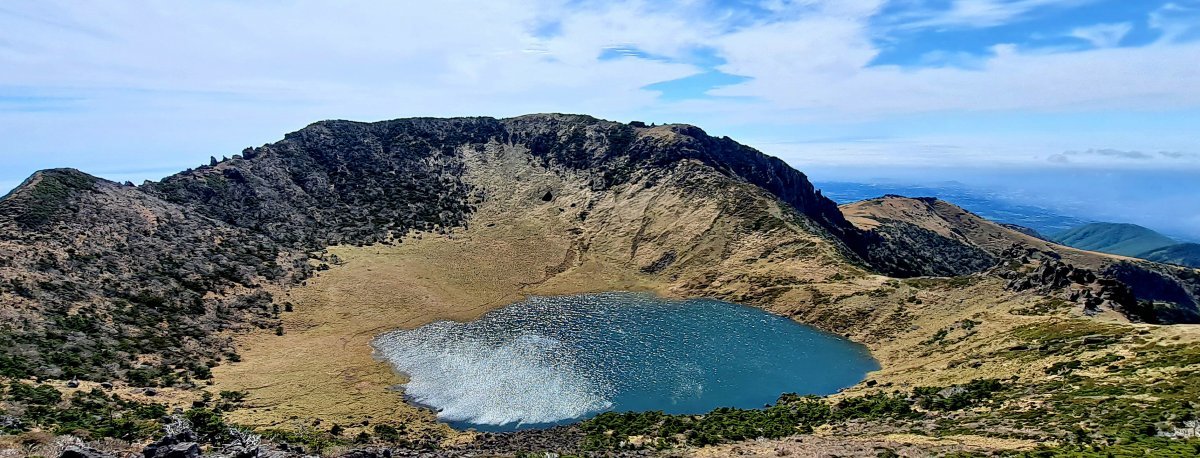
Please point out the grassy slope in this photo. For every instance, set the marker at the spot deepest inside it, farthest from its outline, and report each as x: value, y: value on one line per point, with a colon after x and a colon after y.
x: 955, y: 223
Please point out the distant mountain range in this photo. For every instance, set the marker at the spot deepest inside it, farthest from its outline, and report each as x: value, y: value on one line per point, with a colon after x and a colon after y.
x: 1115, y: 238
x: 1130, y: 240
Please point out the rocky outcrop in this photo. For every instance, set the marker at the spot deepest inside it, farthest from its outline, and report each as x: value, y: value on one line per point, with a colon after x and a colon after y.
x: 1174, y: 292
x: 1029, y: 269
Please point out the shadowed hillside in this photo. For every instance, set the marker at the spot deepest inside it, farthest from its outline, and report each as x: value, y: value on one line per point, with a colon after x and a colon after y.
x: 1183, y: 254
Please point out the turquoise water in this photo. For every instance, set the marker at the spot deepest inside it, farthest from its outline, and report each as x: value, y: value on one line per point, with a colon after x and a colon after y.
x: 554, y: 360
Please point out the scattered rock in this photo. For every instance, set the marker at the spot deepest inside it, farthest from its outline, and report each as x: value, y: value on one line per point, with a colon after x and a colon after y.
x: 368, y: 453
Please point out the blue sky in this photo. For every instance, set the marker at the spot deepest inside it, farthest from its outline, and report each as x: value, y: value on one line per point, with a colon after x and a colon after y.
x: 924, y: 89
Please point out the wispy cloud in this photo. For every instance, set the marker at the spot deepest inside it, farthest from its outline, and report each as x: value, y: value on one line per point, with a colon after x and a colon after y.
x: 1103, y: 35
x: 978, y: 13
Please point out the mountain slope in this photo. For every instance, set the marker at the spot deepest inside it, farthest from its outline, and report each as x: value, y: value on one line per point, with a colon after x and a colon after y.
x: 988, y: 204
x: 1183, y: 254
x: 102, y: 280
x: 1116, y: 238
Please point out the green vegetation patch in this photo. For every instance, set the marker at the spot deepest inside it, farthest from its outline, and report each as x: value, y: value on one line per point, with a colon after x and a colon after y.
x: 89, y: 414
x: 791, y: 414
x: 1067, y: 337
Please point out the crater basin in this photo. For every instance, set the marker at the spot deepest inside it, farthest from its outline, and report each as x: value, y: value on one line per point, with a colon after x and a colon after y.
x: 554, y: 360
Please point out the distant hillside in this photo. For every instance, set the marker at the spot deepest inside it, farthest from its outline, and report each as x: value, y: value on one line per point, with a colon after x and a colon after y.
x: 1184, y: 254
x: 1115, y: 238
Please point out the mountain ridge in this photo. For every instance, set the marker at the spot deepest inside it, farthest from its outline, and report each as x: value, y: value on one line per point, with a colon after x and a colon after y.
x: 1133, y: 241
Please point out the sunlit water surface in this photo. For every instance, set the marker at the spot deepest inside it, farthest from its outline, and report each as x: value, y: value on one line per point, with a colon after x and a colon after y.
x: 553, y: 360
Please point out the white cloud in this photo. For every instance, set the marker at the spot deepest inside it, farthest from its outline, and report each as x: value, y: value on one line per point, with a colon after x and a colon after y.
x: 818, y: 67
x: 137, y: 78
x: 1103, y: 35
x: 1177, y: 21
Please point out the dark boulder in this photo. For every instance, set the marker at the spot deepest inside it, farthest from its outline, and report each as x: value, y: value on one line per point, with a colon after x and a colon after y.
x: 181, y: 444
x: 76, y: 451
